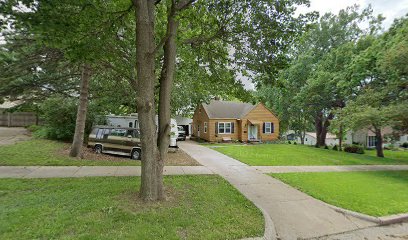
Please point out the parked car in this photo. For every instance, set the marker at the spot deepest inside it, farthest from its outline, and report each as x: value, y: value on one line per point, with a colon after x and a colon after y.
x: 116, y: 140
x: 181, y: 134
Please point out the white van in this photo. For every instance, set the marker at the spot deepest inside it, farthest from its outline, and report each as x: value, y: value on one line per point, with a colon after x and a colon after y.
x: 132, y: 121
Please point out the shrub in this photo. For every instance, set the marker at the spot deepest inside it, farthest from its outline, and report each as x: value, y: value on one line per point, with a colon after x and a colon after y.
x: 59, y: 115
x: 354, y: 149
x: 294, y: 143
x: 405, y: 145
x: 326, y: 147
x: 335, y: 148
x: 289, y: 142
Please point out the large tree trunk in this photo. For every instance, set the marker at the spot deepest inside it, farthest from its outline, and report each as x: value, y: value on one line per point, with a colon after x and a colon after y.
x: 166, y: 83
x: 145, y: 81
x: 81, y: 113
x: 378, y: 145
x: 340, y: 137
x: 319, y: 128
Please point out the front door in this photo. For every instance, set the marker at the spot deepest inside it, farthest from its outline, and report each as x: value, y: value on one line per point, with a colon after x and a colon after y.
x: 253, y: 132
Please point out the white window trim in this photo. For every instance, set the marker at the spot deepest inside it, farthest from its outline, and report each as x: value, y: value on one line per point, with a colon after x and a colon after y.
x: 205, y: 127
x: 225, y: 128
x: 270, y: 127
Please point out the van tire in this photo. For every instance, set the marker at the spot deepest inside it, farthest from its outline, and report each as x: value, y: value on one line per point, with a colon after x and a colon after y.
x: 136, y: 154
x: 98, y: 149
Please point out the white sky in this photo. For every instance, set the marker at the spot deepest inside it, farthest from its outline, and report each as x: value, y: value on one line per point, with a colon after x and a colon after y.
x: 390, y: 9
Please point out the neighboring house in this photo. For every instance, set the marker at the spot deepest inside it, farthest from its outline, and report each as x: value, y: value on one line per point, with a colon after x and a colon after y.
x: 224, y: 120
x: 310, y: 139
x: 186, y: 123
x: 367, y: 137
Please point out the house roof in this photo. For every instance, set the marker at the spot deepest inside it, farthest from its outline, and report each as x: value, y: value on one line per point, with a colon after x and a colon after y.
x: 328, y: 135
x: 227, y: 109
x: 7, y: 104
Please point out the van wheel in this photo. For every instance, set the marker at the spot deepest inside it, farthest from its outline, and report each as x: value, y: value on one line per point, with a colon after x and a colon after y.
x: 136, y: 154
x: 98, y: 149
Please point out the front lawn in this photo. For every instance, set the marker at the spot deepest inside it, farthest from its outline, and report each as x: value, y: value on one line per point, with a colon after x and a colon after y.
x: 294, y: 155
x: 373, y: 193
x: 42, y: 152
x: 198, y: 207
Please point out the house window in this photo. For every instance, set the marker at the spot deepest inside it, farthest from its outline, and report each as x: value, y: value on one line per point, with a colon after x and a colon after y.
x: 268, y: 127
x: 205, y: 127
x: 225, y: 127
x: 372, y: 141
x: 130, y: 124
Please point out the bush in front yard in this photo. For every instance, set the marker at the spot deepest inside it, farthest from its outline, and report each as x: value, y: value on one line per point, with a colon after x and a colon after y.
x: 335, y: 148
x: 354, y: 149
x: 405, y: 145
x: 59, y: 114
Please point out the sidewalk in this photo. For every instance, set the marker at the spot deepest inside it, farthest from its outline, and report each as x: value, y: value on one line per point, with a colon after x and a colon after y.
x: 294, y: 214
x: 92, y: 171
x: 351, y: 168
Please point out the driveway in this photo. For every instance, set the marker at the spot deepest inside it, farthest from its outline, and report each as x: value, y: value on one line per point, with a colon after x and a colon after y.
x: 12, y: 135
x: 294, y: 214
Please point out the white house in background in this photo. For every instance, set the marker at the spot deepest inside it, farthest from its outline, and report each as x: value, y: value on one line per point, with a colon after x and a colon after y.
x: 186, y: 123
x: 310, y: 139
x: 367, y: 137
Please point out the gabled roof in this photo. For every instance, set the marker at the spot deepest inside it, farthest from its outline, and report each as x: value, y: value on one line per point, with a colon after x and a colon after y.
x: 227, y: 109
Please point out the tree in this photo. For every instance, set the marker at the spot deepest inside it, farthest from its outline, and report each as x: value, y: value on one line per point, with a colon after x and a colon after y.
x: 317, y: 80
x: 381, y: 99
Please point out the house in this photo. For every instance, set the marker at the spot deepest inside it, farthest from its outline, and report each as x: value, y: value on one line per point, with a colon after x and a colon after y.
x: 224, y: 120
x: 310, y: 139
x: 367, y: 138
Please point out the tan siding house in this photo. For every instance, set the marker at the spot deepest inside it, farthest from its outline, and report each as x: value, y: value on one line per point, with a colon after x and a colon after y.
x: 223, y: 120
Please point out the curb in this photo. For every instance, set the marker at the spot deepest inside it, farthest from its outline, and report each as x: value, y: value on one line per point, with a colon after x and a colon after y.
x: 270, y: 232
x: 386, y: 220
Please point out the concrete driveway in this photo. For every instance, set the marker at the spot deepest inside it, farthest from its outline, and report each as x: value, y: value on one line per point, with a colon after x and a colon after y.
x: 12, y: 135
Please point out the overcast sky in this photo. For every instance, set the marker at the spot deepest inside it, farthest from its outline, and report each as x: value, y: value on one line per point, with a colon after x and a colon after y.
x: 390, y: 9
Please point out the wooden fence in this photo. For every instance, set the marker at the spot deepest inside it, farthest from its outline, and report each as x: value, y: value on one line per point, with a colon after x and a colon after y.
x: 18, y: 119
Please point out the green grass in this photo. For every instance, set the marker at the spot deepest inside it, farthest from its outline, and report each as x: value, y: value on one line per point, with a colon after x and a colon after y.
x: 199, y: 207
x: 45, y: 153
x: 295, y: 155
x: 372, y: 193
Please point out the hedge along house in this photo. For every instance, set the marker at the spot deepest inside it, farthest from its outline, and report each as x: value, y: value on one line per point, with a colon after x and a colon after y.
x: 222, y: 120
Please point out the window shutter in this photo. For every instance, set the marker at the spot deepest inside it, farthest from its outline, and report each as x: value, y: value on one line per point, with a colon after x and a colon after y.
x: 232, y: 127
x: 272, y: 128
x: 216, y: 127
x: 263, y: 128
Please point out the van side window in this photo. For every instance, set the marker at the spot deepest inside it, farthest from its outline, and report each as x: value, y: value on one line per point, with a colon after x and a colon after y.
x: 118, y: 132
x: 99, y: 134
x: 106, y: 133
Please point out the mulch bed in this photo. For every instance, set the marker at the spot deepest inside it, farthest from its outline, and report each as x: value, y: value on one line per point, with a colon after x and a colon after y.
x: 175, y: 158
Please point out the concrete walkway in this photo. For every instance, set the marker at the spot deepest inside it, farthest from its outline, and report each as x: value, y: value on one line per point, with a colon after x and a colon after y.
x: 353, y: 168
x: 92, y: 171
x: 294, y: 214
x: 11, y: 135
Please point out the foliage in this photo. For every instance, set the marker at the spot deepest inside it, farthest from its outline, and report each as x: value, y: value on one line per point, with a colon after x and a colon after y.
x: 335, y: 148
x: 404, y: 145
x: 109, y: 207
x: 301, y: 155
x: 60, y: 121
x: 356, y: 191
x: 354, y: 149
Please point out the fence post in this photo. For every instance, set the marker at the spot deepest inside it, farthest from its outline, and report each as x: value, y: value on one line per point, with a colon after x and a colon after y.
x: 8, y: 119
